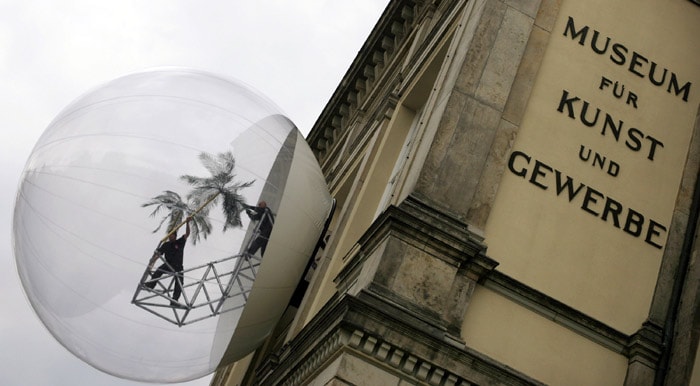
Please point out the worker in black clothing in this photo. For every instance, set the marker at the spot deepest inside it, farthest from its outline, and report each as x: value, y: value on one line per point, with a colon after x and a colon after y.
x: 173, y: 250
x: 263, y: 214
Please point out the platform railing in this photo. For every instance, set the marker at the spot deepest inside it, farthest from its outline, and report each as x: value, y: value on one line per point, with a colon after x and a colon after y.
x: 219, y: 286
x: 210, y: 289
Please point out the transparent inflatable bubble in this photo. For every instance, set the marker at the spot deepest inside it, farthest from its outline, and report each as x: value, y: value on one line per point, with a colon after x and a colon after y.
x: 148, y: 151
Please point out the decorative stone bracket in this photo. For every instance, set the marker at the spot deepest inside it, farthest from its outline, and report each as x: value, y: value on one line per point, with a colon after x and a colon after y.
x: 420, y: 259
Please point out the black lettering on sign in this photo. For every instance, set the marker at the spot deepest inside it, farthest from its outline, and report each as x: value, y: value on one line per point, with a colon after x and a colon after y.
x: 584, y: 154
x: 618, y: 93
x: 633, y: 138
x: 593, y: 201
x: 636, y: 63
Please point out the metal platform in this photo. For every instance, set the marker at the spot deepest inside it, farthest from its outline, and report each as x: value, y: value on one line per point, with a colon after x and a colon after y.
x: 207, y: 290
x: 204, y: 297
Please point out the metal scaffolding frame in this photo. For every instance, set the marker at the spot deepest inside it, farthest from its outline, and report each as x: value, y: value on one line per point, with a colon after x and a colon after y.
x: 218, y: 286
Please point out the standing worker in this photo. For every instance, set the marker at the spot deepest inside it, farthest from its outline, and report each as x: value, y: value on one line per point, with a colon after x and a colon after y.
x: 173, y: 250
x: 263, y: 214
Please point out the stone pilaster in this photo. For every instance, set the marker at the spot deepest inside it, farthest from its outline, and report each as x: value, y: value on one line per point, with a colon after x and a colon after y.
x: 462, y: 169
x: 644, y: 351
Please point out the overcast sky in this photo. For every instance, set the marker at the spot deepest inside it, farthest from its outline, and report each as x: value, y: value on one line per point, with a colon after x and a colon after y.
x: 51, y: 52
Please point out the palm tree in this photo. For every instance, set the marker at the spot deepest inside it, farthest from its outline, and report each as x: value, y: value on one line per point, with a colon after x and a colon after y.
x: 177, y: 211
x: 221, y: 184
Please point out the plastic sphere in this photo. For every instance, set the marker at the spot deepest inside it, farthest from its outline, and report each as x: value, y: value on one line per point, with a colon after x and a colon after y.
x: 83, y: 238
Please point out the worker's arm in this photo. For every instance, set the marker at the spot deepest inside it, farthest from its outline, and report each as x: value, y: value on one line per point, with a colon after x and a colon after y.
x: 187, y: 227
x: 255, y: 213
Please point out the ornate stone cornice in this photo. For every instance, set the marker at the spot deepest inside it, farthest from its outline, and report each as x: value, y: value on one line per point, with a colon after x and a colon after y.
x: 370, y: 63
x: 421, y: 225
x: 389, y: 338
x: 377, y: 69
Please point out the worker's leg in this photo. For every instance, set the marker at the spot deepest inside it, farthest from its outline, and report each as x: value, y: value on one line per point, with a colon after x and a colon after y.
x: 155, y: 276
x: 179, y: 277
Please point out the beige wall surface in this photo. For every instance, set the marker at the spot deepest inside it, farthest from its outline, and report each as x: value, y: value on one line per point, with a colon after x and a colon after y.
x: 537, y: 346
x: 583, y: 209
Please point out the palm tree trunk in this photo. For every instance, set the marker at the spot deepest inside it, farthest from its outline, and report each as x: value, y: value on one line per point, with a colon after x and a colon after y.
x: 193, y: 213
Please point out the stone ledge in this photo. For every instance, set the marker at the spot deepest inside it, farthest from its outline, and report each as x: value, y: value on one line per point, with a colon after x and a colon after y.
x: 558, y: 312
x: 429, y: 229
x: 425, y: 229
x: 390, y: 339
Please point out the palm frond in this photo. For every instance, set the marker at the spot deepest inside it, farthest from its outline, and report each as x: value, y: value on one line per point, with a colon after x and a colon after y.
x: 232, y: 208
x: 220, y: 182
x: 166, y: 200
x: 221, y: 164
x: 192, y: 180
x: 160, y: 224
x: 200, y: 226
x: 177, y: 210
x: 198, y: 197
x: 202, y: 197
x: 170, y: 201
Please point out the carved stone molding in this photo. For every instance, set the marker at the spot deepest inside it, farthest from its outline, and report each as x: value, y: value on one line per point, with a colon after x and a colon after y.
x: 387, y: 338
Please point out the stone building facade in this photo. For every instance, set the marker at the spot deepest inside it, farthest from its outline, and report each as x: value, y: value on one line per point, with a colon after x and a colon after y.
x: 517, y: 202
